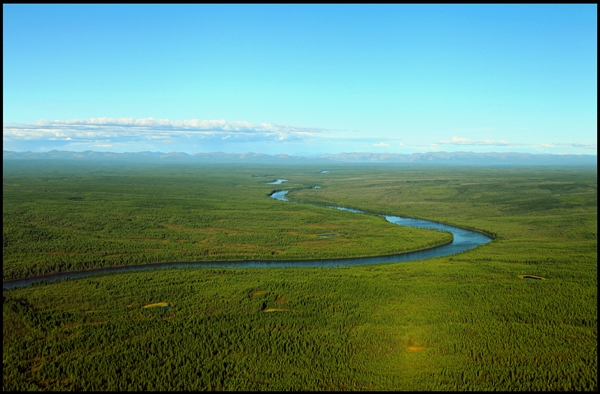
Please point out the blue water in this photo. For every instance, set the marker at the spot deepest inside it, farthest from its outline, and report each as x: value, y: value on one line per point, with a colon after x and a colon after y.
x: 280, y: 195
x: 463, y: 240
x: 277, y: 182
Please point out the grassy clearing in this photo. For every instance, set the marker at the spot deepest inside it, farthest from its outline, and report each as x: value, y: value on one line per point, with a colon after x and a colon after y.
x: 531, y: 277
x: 158, y: 304
x: 276, y: 310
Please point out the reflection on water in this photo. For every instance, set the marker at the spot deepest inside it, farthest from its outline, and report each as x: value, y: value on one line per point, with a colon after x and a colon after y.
x: 463, y: 240
x: 277, y: 182
x: 346, y: 209
x: 280, y: 195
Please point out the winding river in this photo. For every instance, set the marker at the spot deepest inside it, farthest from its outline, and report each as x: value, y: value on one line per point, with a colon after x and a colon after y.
x: 463, y: 240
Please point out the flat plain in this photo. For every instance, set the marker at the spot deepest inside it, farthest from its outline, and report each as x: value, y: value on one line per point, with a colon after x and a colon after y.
x: 478, y: 320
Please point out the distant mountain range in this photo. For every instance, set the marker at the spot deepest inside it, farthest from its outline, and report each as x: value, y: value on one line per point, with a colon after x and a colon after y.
x: 460, y: 158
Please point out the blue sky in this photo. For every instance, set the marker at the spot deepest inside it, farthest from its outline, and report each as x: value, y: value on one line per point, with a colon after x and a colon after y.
x: 300, y: 79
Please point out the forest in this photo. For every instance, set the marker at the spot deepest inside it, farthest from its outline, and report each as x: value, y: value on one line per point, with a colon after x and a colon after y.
x: 518, y: 313
x: 60, y: 218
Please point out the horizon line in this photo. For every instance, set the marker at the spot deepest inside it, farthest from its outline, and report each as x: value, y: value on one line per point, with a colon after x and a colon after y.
x: 306, y: 155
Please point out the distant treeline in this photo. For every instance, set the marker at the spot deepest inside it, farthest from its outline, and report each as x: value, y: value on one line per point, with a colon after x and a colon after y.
x: 446, y: 158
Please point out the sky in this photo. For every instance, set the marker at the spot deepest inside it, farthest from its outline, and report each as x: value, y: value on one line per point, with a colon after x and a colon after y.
x: 300, y: 79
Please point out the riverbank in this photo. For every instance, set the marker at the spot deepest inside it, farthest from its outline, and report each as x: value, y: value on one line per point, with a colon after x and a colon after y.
x: 462, y: 240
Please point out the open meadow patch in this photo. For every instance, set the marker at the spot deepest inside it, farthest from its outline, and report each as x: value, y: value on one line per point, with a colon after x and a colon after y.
x: 164, y: 305
x: 531, y: 277
x: 276, y: 310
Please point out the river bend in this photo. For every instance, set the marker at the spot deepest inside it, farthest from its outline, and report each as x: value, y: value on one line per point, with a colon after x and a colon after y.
x: 463, y: 240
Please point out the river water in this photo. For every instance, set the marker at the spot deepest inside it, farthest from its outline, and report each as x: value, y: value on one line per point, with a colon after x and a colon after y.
x: 277, y: 182
x: 463, y: 240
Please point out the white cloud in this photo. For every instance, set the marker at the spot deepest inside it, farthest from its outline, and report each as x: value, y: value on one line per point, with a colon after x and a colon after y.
x: 150, y: 128
x: 501, y: 143
x: 459, y: 140
x: 467, y: 141
x: 194, y: 135
x: 585, y: 145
